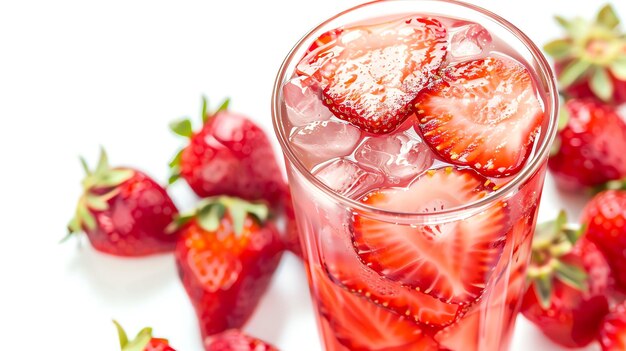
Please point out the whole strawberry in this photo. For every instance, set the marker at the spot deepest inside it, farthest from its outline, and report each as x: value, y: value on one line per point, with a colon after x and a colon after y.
x: 567, y: 297
x: 590, y: 147
x: 230, y: 155
x: 235, y: 340
x: 605, y: 220
x: 123, y: 211
x: 591, y: 59
x: 142, y: 342
x: 613, y: 331
x: 226, y: 255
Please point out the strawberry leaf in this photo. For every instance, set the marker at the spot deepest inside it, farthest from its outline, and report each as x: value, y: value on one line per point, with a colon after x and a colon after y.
x: 179, y: 221
x: 562, y: 22
x: 210, y: 216
x: 72, y: 227
x: 607, y: 17
x: 121, y: 334
x: 204, y: 111
x: 239, y: 209
x: 601, y: 84
x: 223, y: 106
x: 140, y: 342
x: 114, y: 178
x: 182, y: 128
x: 547, y: 232
x: 85, y: 166
x: 618, y: 68
x: 176, y: 160
x: 86, y: 218
x: 559, y: 48
x: 174, y: 176
x: 573, y: 72
x: 98, y: 203
x: 618, y: 184
x: 103, y: 163
x: 572, y: 275
x: 543, y: 288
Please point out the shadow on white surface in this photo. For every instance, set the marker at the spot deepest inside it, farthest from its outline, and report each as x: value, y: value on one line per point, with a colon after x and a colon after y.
x: 122, y: 281
x: 285, y: 315
x: 529, y: 337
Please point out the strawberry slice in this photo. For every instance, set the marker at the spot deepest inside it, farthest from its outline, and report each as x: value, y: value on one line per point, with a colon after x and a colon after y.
x: 483, y: 114
x: 360, y: 280
x: 370, y: 74
x: 362, y: 326
x: 451, y: 261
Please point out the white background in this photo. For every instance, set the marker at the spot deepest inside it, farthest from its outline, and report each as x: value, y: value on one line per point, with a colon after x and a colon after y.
x: 78, y: 74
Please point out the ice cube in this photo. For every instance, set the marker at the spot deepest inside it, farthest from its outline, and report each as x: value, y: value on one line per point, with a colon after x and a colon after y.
x: 469, y: 40
x: 400, y: 157
x: 347, y: 178
x: 304, y: 102
x: 321, y: 141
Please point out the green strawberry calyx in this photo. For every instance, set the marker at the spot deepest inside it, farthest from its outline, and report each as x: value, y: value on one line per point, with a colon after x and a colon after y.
x: 140, y: 341
x: 99, y: 186
x: 183, y: 127
x: 616, y: 184
x: 211, y: 211
x: 552, y: 241
x: 591, y: 49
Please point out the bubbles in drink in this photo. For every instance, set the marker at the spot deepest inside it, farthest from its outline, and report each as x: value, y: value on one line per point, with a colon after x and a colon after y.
x: 347, y: 178
x: 400, y: 157
x: 303, y: 102
x: 320, y: 141
x: 469, y: 40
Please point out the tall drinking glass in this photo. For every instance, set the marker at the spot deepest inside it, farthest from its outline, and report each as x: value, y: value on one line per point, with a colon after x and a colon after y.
x: 365, y: 298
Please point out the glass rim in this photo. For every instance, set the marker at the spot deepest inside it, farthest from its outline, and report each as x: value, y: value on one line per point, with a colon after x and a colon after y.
x: 465, y: 210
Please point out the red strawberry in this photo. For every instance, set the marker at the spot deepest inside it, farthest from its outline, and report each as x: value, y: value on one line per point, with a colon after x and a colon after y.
x: 230, y: 155
x: 613, y: 331
x: 450, y: 261
x: 605, y: 220
x: 226, y: 255
x: 123, y: 211
x: 590, y: 148
x: 370, y: 74
x: 360, y: 325
x: 483, y: 114
x: 235, y: 340
x: 567, y: 298
x: 142, y: 342
x: 591, y: 60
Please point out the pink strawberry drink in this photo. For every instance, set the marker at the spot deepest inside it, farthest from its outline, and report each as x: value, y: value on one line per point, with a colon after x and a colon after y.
x: 416, y: 135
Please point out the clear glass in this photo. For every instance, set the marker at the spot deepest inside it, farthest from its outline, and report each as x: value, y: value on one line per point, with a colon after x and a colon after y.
x: 389, y: 317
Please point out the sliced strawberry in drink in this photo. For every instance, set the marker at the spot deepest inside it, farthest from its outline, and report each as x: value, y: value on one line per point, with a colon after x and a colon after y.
x: 487, y: 325
x: 325, y: 39
x: 362, y: 326
x: 483, y: 114
x: 371, y: 74
x: 350, y: 273
x: 452, y: 261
